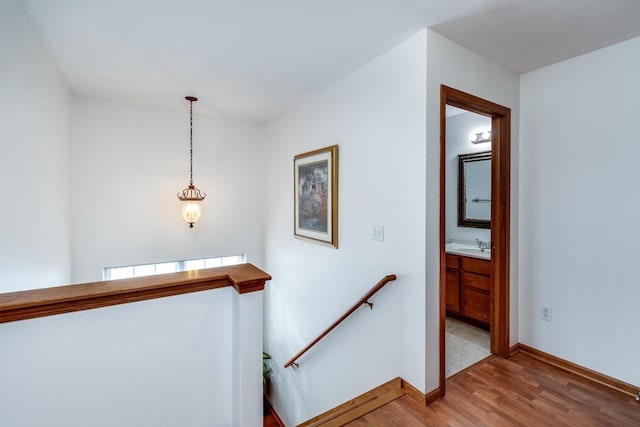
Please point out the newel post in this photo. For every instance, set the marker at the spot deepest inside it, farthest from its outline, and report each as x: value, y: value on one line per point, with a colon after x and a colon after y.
x: 247, y: 324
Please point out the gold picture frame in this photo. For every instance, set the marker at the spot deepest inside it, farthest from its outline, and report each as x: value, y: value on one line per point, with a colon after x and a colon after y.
x: 315, y: 207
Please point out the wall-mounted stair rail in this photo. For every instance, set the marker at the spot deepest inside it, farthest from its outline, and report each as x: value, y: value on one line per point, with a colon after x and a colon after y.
x: 357, y: 305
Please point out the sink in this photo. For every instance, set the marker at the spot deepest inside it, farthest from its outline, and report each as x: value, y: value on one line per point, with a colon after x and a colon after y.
x: 473, y: 250
x: 466, y: 249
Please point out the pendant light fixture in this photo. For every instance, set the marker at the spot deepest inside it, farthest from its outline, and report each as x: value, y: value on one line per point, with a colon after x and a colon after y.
x: 191, y: 197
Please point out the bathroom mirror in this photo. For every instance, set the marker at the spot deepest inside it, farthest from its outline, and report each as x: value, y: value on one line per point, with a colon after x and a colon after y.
x: 474, y: 190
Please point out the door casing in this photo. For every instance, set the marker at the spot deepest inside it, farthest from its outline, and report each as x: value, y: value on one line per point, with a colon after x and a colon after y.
x: 500, y: 217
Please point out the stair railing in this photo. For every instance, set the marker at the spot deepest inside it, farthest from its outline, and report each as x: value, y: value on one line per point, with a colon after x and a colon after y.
x: 361, y: 302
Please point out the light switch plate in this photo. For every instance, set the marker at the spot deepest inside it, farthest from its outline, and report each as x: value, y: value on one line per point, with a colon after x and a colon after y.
x: 545, y: 313
x: 377, y: 232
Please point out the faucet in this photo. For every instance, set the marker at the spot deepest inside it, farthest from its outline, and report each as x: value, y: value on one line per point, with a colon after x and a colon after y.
x: 483, y: 245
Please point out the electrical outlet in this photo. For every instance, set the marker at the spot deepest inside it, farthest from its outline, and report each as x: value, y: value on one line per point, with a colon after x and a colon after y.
x: 377, y: 232
x: 545, y: 313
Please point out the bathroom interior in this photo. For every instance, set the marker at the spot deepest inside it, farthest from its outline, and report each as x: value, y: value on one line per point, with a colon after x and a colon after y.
x: 468, y: 238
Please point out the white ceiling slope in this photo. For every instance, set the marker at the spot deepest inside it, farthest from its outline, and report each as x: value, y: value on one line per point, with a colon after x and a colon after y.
x: 529, y: 34
x: 253, y: 59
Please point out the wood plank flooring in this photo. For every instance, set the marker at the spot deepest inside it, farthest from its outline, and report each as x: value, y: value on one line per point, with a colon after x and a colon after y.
x: 520, y: 391
x: 271, y: 419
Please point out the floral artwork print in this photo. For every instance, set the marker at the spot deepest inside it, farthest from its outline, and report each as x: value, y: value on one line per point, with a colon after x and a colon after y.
x: 315, y: 190
x: 313, y: 196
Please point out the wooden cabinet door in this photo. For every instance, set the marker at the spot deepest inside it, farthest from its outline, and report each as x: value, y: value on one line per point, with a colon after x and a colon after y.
x: 453, y: 290
x: 476, y: 304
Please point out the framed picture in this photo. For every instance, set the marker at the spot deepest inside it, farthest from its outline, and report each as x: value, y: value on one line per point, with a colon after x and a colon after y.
x: 316, y: 195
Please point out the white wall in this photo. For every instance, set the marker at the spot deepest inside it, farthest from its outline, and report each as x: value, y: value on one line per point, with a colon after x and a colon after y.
x: 450, y: 64
x: 162, y: 362
x: 376, y: 115
x: 90, y: 183
x: 129, y: 162
x: 247, y: 339
x: 34, y: 164
x: 579, y: 210
x: 459, y: 127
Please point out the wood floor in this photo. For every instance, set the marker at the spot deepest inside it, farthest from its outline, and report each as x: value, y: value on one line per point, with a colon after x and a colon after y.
x: 271, y: 419
x: 520, y: 391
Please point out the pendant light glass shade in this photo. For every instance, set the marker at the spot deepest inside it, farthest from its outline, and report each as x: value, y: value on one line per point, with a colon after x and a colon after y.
x: 191, y: 197
x: 191, y: 211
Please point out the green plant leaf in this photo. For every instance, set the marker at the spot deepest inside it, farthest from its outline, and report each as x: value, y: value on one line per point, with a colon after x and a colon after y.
x: 266, y: 371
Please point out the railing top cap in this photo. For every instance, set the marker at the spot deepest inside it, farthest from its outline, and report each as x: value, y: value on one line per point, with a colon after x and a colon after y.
x: 42, y: 302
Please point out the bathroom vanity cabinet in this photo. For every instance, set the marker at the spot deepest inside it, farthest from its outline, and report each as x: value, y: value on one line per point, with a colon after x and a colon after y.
x: 467, y: 288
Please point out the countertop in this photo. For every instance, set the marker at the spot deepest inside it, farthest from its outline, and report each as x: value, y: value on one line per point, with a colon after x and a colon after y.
x: 467, y: 250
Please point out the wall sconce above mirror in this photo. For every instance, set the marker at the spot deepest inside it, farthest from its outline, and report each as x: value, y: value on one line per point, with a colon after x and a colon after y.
x: 480, y: 137
x: 474, y: 190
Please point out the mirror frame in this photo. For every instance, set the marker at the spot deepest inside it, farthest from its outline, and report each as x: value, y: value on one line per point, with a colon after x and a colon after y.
x: 463, y: 221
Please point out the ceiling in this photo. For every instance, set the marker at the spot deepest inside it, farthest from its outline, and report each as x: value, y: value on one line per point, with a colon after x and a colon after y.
x: 454, y: 111
x: 253, y: 59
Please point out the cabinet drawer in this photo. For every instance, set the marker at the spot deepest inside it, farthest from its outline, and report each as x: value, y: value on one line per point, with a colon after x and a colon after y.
x: 476, y: 304
x: 475, y: 265
x: 475, y: 281
x: 453, y: 261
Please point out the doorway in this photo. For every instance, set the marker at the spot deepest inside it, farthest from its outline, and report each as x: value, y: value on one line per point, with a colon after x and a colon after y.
x: 488, y: 279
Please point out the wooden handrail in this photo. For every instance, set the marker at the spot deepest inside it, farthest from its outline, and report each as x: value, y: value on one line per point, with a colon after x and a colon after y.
x: 361, y: 301
x: 64, y: 299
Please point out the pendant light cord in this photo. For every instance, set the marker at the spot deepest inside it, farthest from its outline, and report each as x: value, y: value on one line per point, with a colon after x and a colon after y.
x: 191, y: 193
x: 191, y: 143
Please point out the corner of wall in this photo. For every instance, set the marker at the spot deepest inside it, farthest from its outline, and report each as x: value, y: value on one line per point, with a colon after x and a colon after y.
x: 36, y: 245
